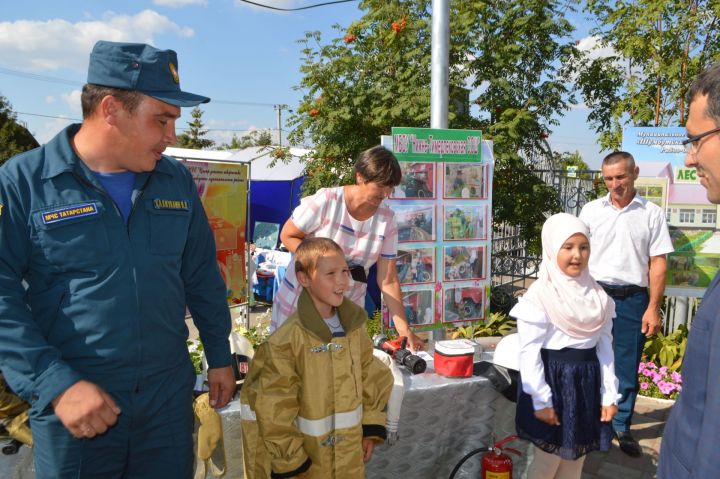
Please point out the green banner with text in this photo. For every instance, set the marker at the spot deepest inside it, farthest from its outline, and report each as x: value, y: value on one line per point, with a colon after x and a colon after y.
x: 436, y: 145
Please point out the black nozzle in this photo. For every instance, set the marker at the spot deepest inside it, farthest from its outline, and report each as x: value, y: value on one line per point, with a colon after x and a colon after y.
x: 414, y: 363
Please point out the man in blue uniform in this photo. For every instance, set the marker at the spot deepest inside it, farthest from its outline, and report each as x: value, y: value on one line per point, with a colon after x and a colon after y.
x: 104, y: 244
x: 689, y: 444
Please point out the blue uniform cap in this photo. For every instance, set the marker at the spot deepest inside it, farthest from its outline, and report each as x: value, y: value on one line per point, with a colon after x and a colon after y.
x: 142, y: 68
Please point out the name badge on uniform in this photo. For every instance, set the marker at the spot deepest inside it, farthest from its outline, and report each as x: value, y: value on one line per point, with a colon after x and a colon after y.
x: 69, y: 212
x: 178, y: 205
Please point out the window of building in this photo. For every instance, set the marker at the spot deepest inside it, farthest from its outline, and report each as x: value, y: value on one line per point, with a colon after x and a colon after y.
x: 709, y: 216
x: 687, y: 215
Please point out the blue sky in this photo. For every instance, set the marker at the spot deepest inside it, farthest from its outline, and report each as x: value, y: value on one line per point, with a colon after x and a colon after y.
x: 245, y: 58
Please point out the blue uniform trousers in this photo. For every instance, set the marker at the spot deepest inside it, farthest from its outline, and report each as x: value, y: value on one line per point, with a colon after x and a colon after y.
x: 152, y: 438
x: 628, y: 343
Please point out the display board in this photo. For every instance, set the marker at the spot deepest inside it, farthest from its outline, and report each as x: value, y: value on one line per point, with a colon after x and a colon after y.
x: 691, y: 217
x: 223, y: 191
x: 443, y: 213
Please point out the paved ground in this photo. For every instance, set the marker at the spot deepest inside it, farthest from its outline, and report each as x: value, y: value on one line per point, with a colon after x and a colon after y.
x: 650, y: 416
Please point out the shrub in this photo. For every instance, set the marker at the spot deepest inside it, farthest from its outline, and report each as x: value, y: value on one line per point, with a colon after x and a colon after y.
x: 195, y: 349
x: 667, y: 350
x: 259, y: 333
x: 497, y: 324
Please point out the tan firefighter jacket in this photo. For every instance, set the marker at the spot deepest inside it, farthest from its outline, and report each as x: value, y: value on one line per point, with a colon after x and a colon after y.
x: 310, y: 398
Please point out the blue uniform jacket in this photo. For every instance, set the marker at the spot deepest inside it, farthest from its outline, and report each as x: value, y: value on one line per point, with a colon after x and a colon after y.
x: 85, y: 296
x: 689, y: 447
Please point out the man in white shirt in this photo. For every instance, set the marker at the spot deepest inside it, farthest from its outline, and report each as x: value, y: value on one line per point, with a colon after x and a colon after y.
x: 629, y: 239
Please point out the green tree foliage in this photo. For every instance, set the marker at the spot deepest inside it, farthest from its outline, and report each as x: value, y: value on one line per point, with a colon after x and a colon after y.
x: 659, y: 46
x: 14, y: 138
x: 254, y: 138
x: 194, y: 138
x: 376, y: 74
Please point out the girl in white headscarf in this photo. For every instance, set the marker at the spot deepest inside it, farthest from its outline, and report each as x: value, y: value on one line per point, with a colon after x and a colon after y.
x: 569, y: 389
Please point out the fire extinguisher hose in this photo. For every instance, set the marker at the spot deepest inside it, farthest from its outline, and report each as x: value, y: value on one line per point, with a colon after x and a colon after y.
x: 466, y: 457
x: 498, y: 445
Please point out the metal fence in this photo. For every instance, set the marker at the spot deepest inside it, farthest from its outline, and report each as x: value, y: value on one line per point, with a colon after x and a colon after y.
x: 513, y: 269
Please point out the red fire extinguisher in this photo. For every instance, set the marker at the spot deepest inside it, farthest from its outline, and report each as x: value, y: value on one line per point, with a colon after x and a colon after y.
x: 495, y: 464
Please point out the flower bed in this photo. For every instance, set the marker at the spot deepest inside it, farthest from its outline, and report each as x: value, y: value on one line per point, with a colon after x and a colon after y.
x: 658, y: 382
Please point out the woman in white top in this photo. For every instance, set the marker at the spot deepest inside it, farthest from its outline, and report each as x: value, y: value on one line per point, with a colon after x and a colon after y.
x: 569, y: 389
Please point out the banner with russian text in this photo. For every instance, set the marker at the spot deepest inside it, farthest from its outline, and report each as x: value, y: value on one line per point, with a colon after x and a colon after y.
x: 223, y: 191
x: 692, y: 219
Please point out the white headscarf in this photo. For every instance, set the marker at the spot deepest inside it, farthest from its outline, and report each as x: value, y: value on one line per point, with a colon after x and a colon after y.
x: 577, y: 306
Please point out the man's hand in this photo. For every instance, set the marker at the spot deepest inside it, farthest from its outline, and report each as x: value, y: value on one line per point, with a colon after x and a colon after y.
x: 368, y: 445
x: 222, y: 386
x: 651, y: 322
x: 85, y: 409
x: 607, y: 412
x: 548, y: 416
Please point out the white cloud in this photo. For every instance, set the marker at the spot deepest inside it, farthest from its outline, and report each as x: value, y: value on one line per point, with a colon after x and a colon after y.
x: 51, y: 128
x: 179, y: 3
x: 49, y: 99
x: 593, y: 48
x: 57, y: 43
x: 73, y: 100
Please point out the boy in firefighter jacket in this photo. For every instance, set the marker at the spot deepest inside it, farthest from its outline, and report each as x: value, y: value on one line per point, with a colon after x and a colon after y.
x: 313, y: 403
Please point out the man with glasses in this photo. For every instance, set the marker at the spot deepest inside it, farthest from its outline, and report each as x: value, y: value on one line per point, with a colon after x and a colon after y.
x: 689, y: 444
x: 629, y: 240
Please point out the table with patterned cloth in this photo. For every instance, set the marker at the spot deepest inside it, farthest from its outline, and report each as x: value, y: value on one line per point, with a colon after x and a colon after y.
x: 441, y: 420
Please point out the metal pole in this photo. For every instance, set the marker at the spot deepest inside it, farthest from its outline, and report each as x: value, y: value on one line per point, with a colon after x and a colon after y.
x: 439, y: 80
x: 440, y: 60
x: 279, y: 109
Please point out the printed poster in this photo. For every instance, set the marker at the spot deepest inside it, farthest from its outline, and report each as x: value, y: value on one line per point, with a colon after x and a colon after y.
x: 443, y: 212
x: 692, y: 219
x: 223, y: 191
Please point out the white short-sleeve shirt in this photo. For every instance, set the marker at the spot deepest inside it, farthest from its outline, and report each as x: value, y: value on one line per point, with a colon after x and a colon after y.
x: 622, y: 241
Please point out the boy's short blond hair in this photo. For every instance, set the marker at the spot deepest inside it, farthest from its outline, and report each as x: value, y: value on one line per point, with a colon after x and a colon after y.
x: 310, y: 249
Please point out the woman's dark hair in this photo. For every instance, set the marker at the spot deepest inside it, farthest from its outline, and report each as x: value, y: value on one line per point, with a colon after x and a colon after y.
x: 379, y: 165
x: 93, y: 94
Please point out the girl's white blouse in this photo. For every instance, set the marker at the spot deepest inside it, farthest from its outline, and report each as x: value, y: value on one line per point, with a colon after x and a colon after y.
x: 536, y: 332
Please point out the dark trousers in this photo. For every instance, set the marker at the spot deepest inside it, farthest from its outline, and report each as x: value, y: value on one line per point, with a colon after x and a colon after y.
x: 152, y: 438
x: 628, y: 343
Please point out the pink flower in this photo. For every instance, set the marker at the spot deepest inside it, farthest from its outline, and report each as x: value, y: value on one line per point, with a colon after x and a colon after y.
x: 664, y: 370
x: 651, y: 365
x: 676, y: 377
x: 641, y: 367
x: 647, y: 373
x: 656, y: 377
x: 644, y: 386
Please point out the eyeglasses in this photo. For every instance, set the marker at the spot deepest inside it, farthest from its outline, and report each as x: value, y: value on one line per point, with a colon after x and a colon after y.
x: 691, y: 144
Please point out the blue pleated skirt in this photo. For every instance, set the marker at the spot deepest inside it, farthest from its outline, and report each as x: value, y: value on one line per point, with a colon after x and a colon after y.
x: 574, y: 378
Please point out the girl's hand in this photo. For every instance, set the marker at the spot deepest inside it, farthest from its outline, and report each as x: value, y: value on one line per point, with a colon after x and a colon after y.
x: 607, y: 412
x: 368, y: 445
x: 548, y: 416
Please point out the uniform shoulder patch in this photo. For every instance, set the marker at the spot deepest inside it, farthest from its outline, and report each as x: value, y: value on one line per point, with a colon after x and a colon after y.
x: 69, y: 212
